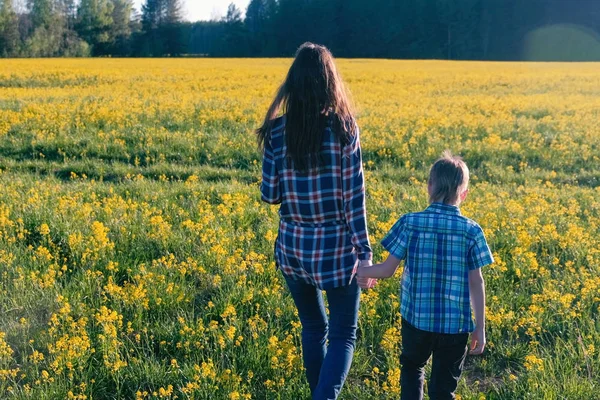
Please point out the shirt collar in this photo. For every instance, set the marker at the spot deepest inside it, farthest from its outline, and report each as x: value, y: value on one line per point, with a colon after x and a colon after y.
x: 442, y: 208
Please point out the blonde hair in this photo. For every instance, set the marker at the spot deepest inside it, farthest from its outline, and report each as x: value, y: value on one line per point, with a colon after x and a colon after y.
x: 448, y: 178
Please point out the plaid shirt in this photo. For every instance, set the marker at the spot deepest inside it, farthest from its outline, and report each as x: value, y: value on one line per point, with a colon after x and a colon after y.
x: 323, y: 224
x: 439, y: 247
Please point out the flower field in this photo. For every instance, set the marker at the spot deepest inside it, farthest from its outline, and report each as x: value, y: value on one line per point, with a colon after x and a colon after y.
x: 136, y: 257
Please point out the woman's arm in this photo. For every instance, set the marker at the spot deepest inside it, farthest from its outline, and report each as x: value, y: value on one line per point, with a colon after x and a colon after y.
x: 269, y: 187
x: 384, y: 270
x: 353, y: 186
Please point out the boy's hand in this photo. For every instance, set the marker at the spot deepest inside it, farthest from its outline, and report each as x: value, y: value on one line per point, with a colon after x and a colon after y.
x: 477, y: 342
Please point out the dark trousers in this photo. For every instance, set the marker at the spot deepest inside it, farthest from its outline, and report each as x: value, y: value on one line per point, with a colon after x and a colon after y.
x: 327, y: 343
x: 449, y: 352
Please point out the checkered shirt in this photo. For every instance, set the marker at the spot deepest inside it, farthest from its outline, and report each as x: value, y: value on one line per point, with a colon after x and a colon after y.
x: 440, y: 247
x: 323, y: 223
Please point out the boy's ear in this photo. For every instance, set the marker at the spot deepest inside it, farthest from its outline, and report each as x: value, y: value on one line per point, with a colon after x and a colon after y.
x: 463, y: 195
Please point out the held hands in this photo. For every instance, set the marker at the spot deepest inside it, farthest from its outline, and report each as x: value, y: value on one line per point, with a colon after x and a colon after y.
x: 365, y: 283
x: 477, y: 341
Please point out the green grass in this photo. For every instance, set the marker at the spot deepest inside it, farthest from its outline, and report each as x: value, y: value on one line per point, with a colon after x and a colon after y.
x: 157, y: 218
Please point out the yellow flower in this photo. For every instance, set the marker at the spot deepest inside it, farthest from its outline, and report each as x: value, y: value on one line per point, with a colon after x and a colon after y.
x: 44, y: 229
x: 533, y: 363
x: 5, y: 351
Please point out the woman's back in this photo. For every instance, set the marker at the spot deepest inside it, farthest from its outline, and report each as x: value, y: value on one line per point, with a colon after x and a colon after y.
x: 323, y: 227
x: 314, y: 196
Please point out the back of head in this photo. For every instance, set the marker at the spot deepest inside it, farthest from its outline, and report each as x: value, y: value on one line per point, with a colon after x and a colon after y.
x: 312, y: 90
x: 448, y: 179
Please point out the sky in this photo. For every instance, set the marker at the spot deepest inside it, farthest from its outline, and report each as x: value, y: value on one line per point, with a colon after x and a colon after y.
x: 196, y: 10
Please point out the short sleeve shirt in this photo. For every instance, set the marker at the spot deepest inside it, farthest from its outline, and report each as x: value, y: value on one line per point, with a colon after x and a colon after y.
x: 440, y: 246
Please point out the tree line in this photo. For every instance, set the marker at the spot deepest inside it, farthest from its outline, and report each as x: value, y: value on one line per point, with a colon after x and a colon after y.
x: 441, y: 29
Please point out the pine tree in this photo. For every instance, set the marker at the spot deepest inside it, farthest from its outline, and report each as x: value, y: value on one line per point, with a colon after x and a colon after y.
x: 151, y: 14
x: 9, y: 29
x: 234, y: 15
x: 42, y: 13
x: 94, y: 23
x: 172, y: 10
x: 121, y: 27
x: 255, y: 16
x: 161, y: 23
x: 233, y: 41
x: 121, y: 16
x: 68, y: 10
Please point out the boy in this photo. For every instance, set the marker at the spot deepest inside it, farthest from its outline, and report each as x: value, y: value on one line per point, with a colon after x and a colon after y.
x: 443, y: 253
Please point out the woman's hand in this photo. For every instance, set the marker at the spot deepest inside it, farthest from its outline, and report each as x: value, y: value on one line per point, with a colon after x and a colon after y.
x: 363, y: 282
x: 366, y: 283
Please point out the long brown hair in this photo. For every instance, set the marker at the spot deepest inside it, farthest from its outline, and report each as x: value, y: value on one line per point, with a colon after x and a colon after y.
x: 312, y: 92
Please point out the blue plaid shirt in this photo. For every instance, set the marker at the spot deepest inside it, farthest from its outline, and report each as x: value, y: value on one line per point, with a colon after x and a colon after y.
x: 323, y: 222
x: 440, y: 247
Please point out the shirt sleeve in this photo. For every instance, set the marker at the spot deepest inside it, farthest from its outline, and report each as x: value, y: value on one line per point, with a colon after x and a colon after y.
x: 396, y: 240
x: 269, y: 187
x: 479, y: 254
x: 353, y: 186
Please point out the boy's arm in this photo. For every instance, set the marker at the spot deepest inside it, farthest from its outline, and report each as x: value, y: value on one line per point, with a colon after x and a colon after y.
x: 477, y: 291
x: 479, y: 256
x: 383, y: 270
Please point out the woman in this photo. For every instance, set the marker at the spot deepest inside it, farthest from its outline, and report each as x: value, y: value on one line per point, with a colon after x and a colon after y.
x: 312, y: 166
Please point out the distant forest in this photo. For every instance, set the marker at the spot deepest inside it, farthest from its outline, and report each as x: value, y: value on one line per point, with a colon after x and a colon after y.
x: 414, y: 29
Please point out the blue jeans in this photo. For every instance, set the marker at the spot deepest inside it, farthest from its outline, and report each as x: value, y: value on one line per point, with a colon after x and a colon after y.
x: 449, y: 352
x: 326, y: 364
